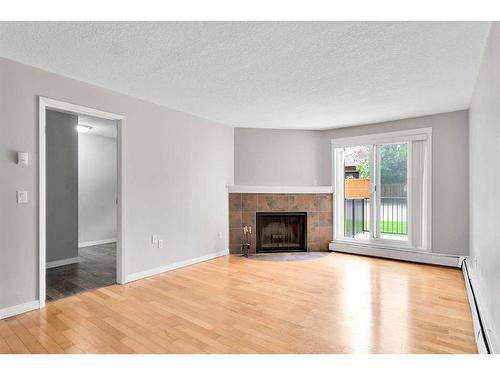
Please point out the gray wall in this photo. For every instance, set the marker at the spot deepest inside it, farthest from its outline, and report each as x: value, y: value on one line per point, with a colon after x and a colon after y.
x: 270, y: 157
x: 177, y: 168
x: 450, y: 172
x: 97, y: 171
x: 62, y: 186
x: 485, y: 182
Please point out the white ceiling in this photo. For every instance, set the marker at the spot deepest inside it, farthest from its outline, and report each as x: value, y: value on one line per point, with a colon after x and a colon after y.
x: 99, y: 126
x: 296, y: 75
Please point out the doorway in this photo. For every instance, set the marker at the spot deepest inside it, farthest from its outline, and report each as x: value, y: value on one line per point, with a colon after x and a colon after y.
x: 81, y: 199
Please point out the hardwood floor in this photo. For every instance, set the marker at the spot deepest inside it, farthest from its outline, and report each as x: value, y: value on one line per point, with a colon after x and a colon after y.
x: 97, y: 268
x: 336, y: 304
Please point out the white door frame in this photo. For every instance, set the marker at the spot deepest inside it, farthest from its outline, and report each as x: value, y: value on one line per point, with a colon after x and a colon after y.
x: 338, y: 181
x: 47, y: 103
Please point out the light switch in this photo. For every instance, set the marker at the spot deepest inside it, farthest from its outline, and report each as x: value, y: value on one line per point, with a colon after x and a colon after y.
x: 22, y: 158
x: 22, y: 196
x: 160, y: 244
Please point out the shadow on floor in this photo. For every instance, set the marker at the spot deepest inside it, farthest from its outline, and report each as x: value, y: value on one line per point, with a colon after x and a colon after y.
x: 97, y: 268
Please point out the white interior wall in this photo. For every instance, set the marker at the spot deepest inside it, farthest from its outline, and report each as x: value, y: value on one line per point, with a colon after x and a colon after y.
x: 270, y: 157
x: 484, y: 157
x: 177, y: 169
x: 97, y: 189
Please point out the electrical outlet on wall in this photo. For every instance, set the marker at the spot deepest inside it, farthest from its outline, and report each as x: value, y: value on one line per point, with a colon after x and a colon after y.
x: 220, y: 235
x: 160, y: 244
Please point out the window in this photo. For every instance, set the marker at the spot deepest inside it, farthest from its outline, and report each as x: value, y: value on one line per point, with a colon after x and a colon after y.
x: 382, y: 189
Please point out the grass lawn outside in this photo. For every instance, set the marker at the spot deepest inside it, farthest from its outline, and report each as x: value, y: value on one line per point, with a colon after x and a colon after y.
x: 387, y: 226
x: 395, y: 227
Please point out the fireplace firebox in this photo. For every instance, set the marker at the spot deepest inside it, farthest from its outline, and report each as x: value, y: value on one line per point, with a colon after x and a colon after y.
x: 281, y: 232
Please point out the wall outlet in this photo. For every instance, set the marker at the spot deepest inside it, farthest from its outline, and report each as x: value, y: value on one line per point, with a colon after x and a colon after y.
x: 154, y: 239
x: 220, y: 235
x: 160, y: 244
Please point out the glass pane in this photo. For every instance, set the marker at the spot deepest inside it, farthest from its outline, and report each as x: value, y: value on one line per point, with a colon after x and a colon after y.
x: 393, y: 191
x: 357, y: 192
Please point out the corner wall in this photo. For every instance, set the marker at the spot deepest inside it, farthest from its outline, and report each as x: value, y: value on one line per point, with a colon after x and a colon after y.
x: 484, y: 157
x: 264, y: 157
x: 270, y: 157
x: 177, y: 169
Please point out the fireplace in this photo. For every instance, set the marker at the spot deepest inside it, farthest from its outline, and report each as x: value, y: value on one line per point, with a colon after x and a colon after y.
x: 281, y: 232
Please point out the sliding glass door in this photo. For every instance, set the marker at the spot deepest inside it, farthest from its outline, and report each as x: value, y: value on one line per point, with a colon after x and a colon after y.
x: 357, y: 186
x: 392, y: 195
x: 381, y: 189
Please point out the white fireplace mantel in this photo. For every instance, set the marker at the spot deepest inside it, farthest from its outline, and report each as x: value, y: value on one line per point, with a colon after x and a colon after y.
x: 279, y: 189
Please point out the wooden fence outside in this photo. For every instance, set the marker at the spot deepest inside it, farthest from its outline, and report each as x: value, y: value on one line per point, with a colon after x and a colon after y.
x: 357, y: 188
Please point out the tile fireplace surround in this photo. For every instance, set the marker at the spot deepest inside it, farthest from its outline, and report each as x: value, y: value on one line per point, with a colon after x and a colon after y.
x: 244, y: 206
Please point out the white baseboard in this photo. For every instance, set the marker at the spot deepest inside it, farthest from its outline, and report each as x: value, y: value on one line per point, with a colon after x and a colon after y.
x: 62, y: 262
x: 485, y: 339
x: 96, y: 242
x: 169, y: 267
x: 19, y: 309
x: 406, y: 255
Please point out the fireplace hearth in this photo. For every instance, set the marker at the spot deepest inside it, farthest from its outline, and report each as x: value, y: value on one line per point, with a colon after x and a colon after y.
x: 281, y: 232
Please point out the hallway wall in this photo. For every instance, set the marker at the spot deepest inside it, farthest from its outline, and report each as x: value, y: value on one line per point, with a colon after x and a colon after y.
x: 97, y: 179
x: 62, y: 186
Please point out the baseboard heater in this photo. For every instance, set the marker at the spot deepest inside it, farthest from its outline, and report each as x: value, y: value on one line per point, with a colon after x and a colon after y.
x: 476, y: 313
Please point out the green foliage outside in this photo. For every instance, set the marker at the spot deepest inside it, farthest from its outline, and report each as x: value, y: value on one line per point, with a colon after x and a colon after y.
x: 364, y: 170
x: 393, y: 168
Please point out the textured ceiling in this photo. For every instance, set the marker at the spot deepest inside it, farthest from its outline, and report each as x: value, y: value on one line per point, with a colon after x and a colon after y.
x: 296, y: 75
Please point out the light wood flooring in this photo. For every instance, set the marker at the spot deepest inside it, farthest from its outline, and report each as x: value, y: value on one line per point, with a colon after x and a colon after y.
x: 336, y: 304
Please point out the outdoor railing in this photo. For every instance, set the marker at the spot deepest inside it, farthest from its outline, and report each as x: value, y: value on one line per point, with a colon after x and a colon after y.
x: 393, y: 216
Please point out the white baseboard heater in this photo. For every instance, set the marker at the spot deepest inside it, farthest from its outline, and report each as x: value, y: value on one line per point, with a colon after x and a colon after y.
x: 483, y: 342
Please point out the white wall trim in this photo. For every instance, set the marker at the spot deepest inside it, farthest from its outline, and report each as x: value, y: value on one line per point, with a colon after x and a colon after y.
x: 96, y: 242
x: 406, y: 255
x: 478, y: 316
x: 279, y: 189
x: 48, y: 103
x: 19, y: 309
x: 62, y: 262
x: 374, y: 138
x: 169, y: 267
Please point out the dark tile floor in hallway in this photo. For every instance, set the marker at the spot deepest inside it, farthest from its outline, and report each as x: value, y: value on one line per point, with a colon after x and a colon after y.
x: 97, y: 268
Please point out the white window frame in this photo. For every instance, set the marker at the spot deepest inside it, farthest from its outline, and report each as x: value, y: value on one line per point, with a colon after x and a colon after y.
x: 374, y: 140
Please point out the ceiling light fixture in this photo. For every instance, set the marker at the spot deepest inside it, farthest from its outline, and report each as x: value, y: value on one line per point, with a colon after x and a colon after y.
x: 83, y: 128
